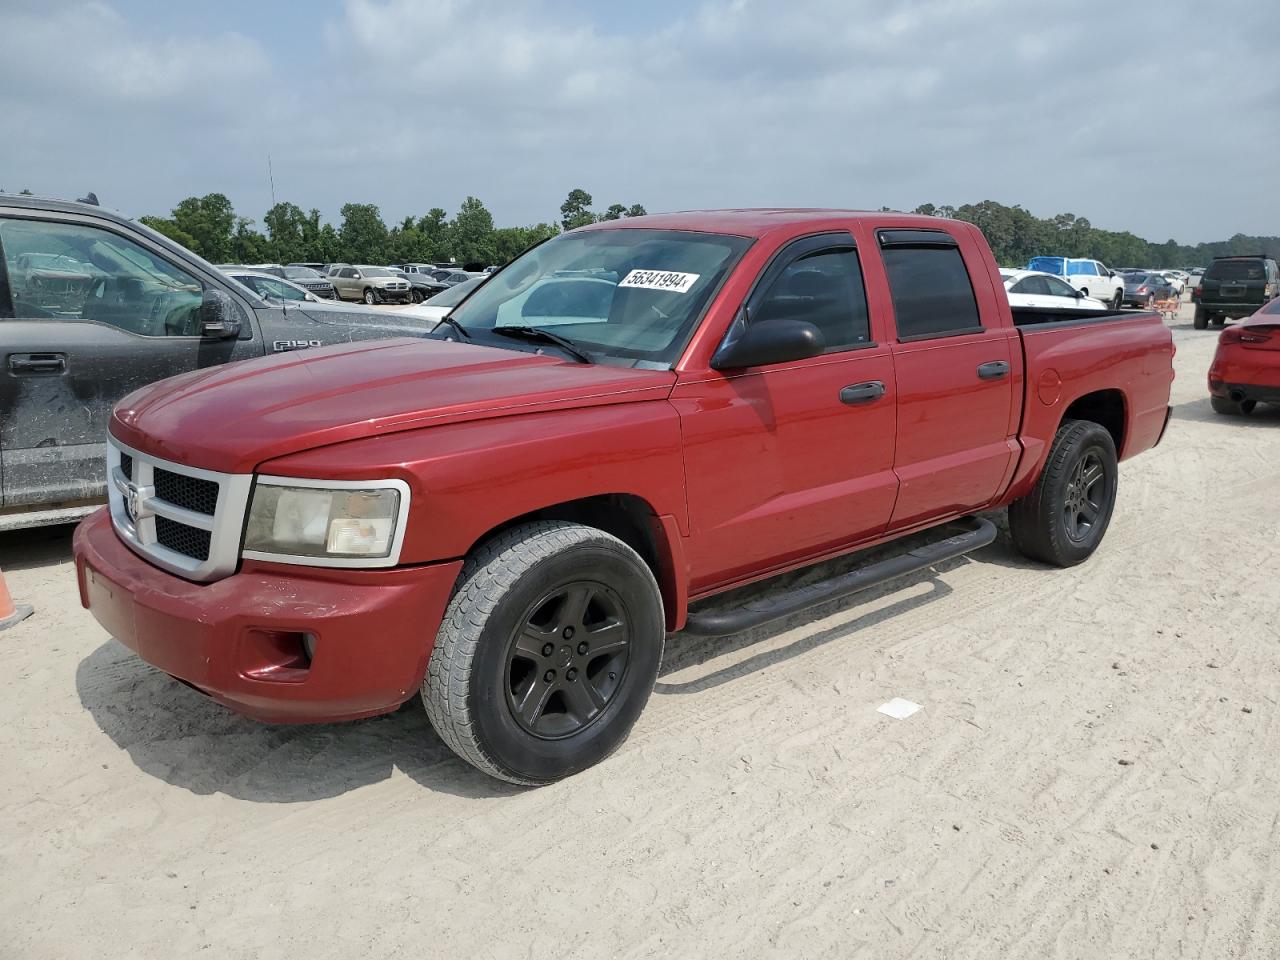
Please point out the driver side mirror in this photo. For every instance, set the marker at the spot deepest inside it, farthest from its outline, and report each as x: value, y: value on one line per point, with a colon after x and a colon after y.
x: 219, y: 316
x: 357, y: 275
x: 776, y: 341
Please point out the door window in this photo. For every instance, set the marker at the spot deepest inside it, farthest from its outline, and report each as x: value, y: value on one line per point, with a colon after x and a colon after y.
x: 267, y: 287
x: 823, y: 288
x: 1035, y: 286
x: 932, y: 295
x: 1058, y: 288
x: 70, y: 271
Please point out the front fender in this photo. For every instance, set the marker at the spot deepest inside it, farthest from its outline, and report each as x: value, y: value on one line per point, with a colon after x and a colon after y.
x: 466, y: 479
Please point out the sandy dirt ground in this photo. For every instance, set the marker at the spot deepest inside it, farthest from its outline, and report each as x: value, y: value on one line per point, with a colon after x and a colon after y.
x: 1093, y: 773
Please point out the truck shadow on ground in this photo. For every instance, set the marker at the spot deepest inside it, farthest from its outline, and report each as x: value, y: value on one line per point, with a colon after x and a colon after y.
x: 36, y: 547
x: 684, y: 651
x: 181, y: 737
x: 177, y: 735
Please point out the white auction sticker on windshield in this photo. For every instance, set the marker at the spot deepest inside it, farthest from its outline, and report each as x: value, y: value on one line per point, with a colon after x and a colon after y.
x: 660, y: 280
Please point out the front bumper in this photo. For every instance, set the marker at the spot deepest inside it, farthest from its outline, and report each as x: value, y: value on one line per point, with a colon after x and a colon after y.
x: 239, y: 640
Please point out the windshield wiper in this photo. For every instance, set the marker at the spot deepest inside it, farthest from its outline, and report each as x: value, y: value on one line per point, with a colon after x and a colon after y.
x: 541, y: 334
x: 455, y: 324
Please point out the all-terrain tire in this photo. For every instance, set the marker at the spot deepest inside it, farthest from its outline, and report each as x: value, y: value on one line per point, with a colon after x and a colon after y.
x: 1039, y: 522
x: 466, y: 687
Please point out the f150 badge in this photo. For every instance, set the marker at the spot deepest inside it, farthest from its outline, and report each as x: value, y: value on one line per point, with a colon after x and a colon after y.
x: 282, y: 345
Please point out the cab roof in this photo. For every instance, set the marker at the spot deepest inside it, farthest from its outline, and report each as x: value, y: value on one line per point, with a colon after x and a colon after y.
x: 756, y: 223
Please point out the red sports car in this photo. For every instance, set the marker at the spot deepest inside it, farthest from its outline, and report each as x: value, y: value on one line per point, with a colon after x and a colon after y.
x: 1246, y: 368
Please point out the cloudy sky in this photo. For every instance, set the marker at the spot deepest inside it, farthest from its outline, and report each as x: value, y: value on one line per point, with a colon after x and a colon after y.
x: 1160, y: 116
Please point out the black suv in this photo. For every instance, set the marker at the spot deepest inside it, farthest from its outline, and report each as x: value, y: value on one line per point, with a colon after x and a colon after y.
x: 1235, y: 287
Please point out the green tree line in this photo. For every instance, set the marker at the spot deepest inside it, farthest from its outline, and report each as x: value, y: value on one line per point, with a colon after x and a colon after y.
x: 1016, y: 236
x: 210, y: 226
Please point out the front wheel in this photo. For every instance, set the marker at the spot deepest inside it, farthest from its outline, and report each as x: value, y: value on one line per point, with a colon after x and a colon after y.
x: 416, y: 296
x: 370, y: 297
x: 1062, y: 521
x: 547, y: 653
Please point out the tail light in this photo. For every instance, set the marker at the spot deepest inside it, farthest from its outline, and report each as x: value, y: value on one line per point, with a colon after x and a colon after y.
x: 1250, y: 335
x: 1142, y: 289
x: 1196, y: 292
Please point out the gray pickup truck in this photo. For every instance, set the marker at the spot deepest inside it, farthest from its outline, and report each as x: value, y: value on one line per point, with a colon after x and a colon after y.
x: 93, y: 306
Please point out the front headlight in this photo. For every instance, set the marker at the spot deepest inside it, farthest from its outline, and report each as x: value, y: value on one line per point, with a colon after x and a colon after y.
x: 327, y: 522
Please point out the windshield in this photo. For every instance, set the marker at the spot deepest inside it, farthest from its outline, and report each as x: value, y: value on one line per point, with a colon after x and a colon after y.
x: 456, y: 294
x: 1235, y: 270
x: 628, y: 294
x: 375, y: 272
x: 1047, y: 265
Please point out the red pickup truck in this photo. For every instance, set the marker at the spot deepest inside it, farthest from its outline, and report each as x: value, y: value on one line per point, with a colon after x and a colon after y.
x: 511, y: 514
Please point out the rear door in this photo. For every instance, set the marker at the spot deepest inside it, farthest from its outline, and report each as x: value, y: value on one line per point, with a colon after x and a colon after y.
x: 787, y: 461
x: 90, y: 314
x: 955, y: 368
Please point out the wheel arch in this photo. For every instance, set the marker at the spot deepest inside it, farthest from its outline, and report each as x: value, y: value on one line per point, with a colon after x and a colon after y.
x: 1108, y: 408
x: 635, y: 522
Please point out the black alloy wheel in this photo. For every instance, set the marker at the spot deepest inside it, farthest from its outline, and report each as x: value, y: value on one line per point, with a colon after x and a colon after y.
x: 1085, y: 497
x: 567, y: 660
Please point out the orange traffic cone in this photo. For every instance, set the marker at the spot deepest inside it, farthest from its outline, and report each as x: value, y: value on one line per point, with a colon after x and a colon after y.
x: 10, y: 612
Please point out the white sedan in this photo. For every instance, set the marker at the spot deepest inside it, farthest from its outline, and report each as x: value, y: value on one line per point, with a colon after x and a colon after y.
x: 1031, y: 288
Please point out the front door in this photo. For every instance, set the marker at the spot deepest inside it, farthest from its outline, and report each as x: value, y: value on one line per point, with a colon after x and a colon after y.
x: 791, y: 460
x: 955, y: 370
x: 89, y: 316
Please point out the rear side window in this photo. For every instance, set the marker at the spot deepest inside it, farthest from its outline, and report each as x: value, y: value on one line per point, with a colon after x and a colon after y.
x: 823, y: 288
x: 932, y: 296
x: 1235, y: 270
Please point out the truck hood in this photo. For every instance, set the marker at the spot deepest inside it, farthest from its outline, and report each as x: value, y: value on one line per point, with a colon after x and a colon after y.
x: 234, y: 417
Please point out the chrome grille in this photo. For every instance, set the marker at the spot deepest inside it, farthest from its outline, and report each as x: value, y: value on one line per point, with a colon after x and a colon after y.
x: 183, y: 519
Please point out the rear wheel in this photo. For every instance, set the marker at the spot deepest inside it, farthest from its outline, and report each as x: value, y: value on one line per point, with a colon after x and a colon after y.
x: 1219, y: 321
x: 1201, y: 321
x: 370, y: 297
x: 1062, y: 521
x: 547, y: 653
x: 1232, y: 408
x: 1117, y: 300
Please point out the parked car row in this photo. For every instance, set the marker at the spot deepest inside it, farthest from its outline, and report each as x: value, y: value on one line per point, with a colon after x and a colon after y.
x: 302, y: 275
x: 1091, y: 277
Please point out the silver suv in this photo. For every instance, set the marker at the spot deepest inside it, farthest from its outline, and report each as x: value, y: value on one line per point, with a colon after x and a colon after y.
x: 370, y: 284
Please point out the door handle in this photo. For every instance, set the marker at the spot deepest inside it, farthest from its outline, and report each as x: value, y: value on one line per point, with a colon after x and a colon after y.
x: 21, y: 363
x: 862, y: 392
x: 993, y: 370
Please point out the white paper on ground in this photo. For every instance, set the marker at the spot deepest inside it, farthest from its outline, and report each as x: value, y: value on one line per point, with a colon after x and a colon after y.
x: 898, y: 708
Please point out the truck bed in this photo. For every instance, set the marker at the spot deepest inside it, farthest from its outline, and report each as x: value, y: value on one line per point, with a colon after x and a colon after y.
x: 1030, y: 316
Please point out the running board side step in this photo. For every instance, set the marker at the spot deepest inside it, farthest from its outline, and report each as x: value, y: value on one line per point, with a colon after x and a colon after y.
x: 785, y: 603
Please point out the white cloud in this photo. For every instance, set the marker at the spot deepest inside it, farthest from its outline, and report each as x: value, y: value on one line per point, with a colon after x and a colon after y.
x: 730, y: 102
